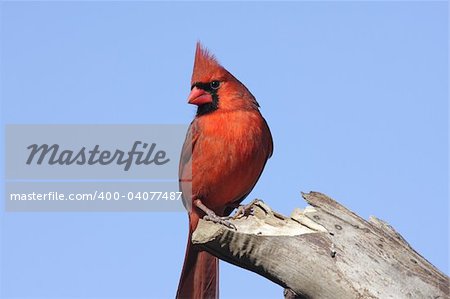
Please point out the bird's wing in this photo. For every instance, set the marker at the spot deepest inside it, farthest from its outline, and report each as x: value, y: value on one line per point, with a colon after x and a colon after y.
x: 186, y: 151
x: 185, y: 167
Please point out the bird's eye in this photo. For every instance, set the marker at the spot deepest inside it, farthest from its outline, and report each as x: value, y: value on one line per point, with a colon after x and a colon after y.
x: 215, y: 84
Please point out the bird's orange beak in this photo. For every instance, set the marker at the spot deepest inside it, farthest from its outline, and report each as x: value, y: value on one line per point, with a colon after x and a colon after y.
x: 199, y: 97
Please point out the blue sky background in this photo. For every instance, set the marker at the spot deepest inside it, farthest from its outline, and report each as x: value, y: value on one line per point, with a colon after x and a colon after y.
x: 355, y: 93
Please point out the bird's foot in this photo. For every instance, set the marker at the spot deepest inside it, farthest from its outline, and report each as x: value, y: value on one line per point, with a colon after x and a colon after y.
x: 211, y: 216
x: 244, y: 210
x: 220, y: 220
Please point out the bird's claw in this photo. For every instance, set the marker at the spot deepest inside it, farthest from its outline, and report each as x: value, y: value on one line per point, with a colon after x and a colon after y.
x: 211, y: 216
x: 220, y: 220
x: 244, y: 210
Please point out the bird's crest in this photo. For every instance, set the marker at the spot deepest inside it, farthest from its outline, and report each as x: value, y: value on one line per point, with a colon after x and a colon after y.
x: 206, y: 65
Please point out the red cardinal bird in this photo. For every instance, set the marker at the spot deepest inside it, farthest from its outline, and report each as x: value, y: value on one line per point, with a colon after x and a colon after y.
x: 225, y: 151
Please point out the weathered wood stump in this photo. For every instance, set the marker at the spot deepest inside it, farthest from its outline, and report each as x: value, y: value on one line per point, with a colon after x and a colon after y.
x: 324, y: 251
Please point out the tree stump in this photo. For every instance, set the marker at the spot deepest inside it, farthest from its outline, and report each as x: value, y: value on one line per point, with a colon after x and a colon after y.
x: 324, y: 251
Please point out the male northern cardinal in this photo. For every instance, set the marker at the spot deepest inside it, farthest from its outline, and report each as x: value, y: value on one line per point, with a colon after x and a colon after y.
x: 226, y: 148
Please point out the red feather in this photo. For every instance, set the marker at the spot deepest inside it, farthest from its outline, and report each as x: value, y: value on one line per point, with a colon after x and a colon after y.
x: 224, y: 154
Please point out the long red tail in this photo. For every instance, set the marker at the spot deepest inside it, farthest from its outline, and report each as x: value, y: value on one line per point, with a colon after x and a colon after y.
x: 200, y: 274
